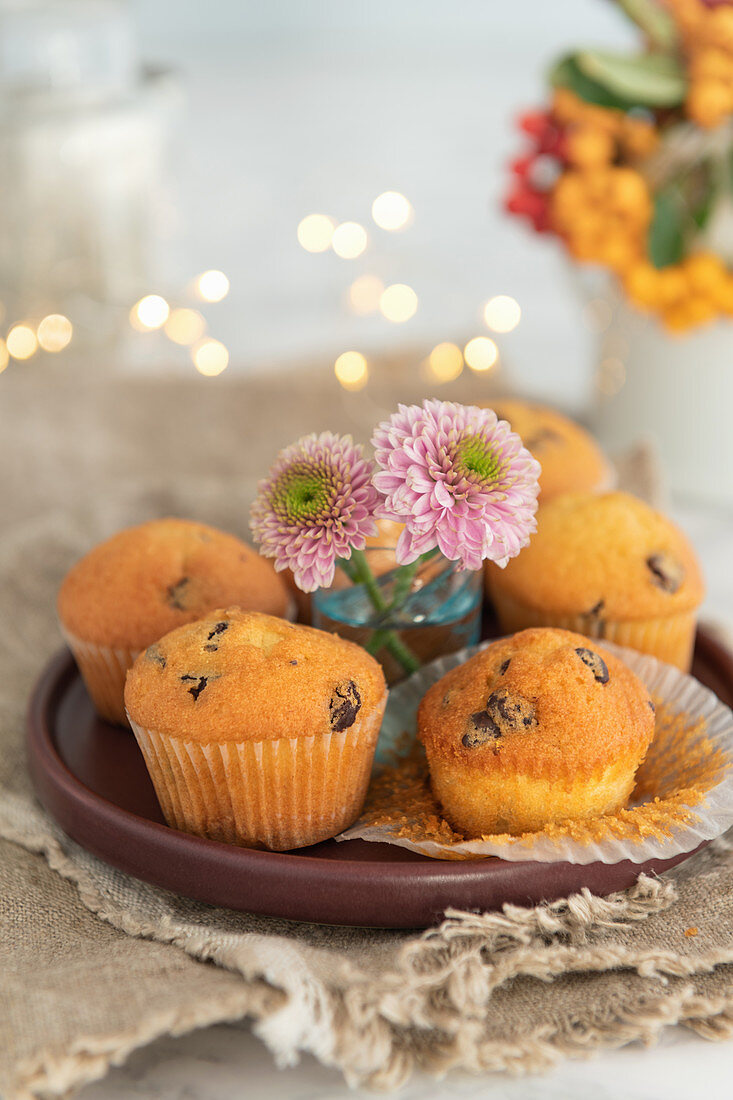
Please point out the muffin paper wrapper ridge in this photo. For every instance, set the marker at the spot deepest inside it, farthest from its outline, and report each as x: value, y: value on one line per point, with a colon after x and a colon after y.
x: 704, y: 760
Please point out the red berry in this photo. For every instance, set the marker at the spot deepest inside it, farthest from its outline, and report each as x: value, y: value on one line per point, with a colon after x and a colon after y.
x: 535, y: 123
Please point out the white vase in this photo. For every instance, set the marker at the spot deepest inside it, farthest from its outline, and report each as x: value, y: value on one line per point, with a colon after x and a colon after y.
x: 674, y: 391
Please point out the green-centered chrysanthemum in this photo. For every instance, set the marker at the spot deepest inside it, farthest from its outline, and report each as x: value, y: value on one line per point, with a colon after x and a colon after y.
x: 316, y: 505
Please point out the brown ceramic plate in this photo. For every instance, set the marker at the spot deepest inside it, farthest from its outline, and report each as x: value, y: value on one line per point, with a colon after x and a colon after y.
x: 92, y: 780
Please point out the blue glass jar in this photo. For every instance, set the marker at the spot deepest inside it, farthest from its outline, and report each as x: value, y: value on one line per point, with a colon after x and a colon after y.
x: 415, y: 615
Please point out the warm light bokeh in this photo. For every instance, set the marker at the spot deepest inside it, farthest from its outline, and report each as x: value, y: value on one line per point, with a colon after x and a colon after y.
x: 364, y: 294
x: 185, y: 326
x: 391, y: 210
x: 150, y: 313
x: 502, y: 313
x: 445, y: 362
x: 315, y: 232
x: 210, y: 357
x: 480, y: 353
x: 351, y: 370
x: 55, y: 332
x: 21, y: 342
x: 349, y: 240
x: 398, y: 303
x: 212, y: 286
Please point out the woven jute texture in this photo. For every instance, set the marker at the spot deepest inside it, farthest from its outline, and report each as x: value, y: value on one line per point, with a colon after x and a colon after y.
x: 94, y: 964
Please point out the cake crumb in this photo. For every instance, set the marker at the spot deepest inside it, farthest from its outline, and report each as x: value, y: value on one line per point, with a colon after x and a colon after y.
x: 682, y: 765
x: 690, y: 931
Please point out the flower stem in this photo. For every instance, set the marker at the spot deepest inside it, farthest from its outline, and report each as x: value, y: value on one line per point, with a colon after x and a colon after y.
x: 361, y: 573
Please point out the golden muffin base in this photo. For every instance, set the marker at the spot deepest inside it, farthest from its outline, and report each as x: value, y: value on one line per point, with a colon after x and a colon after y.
x: 103, y: 670
x: 484, y: 804
x: 670, y: 638
x: 278, y: 794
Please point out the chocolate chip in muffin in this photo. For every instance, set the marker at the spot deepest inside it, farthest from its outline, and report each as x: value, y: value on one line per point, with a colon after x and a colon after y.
x: 595, y: 663
x: 177, y: 594
x: 506, y: 712
x: 199, y: 683
x: 293, y: 662
x: 344, y: 706
x: 218, y: 629
x: 666, y: 572
x: 504, y: 666
x: 152, y: 653
x: 511, y: 711
x: 208, y: 648
x: 481, y: 728
x: 652, y: 708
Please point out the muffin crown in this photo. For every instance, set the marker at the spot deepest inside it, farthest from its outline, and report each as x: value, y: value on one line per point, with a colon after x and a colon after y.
x: 570, y: 458
x: 606, y: 555
x: 544, y: 702
x: 238, y: 675
x: 148, y: 580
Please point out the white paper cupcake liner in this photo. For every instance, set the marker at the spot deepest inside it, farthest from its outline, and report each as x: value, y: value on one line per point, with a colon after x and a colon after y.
x: 680, y: 694
x: 103, y: 669
x: 278, y: 793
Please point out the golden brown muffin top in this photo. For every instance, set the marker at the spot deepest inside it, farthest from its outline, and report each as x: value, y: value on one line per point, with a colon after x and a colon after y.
x: 147, y: 580
x: 543, y: 702
x: 239, y: 675
x: 607, y: 555
x: 570, y: 458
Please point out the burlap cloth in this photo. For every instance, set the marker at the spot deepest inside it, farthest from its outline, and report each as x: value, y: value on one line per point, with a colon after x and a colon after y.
x: 94, y: 964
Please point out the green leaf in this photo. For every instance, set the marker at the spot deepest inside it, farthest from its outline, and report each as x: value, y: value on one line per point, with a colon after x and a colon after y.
x: 667, y: 231
x: 566, y: 74
x: 656, y: 23
x: 649, y: 80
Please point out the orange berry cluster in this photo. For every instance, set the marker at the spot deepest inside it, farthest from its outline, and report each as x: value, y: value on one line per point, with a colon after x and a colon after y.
x: 686, y: 294
x: 601, y: 210
x: 597, y: 135
x: 707, y: 34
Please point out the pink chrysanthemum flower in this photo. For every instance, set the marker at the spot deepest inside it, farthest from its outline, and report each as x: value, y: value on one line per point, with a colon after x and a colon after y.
x: 459, y: 479
x: 316, y: 506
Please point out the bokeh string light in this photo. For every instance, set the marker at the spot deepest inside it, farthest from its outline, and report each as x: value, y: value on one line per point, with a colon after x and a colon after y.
x: 398, y: 303
x: 4, y: 356
x: 21, y: 342
x: 185, y: 326
x: 445, y: 362
x: 502, y: 313
x: 54, y: 332
x: 481, y: 353
x: 352, y: 370
x: 349, y: 240
x: 364, y: 294
x: 315, y: 232
x: 210, y: 357
x: 150, y: 313
x: 212, y: 286
x: 391, y: 210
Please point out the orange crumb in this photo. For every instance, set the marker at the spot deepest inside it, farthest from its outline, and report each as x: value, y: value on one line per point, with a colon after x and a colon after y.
x: 690, y: 931
x: 682, y: 764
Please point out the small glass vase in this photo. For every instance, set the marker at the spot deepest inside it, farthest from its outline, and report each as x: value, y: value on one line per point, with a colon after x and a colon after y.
x: 427, y: 610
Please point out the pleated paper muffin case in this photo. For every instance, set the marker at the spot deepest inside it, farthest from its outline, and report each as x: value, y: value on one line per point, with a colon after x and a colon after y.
x: 103, y: 669
x: 279, y: 793
x: 670, y: 638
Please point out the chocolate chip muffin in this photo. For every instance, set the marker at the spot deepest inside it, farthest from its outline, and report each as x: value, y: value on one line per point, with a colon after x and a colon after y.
x: 538, y: 728
x: 609, y: 566
x: 570, y: 458
x: 147, y: 580
x: 257, y: 731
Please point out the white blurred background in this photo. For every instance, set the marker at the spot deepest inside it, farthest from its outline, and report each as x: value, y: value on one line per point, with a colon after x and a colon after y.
x: 272, y: 110
x: 295, y: 107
